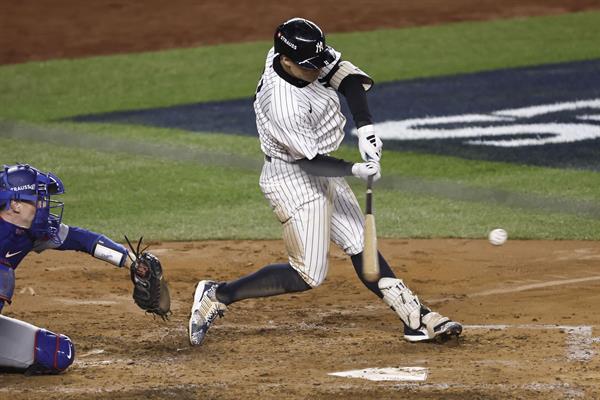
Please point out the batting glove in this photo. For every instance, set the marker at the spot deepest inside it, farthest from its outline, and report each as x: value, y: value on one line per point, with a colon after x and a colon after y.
x: 369, y: 145
x: 367, y: 169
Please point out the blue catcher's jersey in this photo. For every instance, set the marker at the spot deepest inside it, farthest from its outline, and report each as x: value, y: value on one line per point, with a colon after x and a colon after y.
x: 15, y: 244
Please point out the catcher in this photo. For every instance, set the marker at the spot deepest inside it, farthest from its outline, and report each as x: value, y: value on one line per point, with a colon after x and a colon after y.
x: 30, y: 220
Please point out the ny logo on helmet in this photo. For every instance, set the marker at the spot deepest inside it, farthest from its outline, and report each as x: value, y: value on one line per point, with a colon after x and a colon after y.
x: 319, y: 47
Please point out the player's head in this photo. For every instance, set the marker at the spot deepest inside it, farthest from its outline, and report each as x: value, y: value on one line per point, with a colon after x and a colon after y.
x: 27, y: 190
x: 303, y: 42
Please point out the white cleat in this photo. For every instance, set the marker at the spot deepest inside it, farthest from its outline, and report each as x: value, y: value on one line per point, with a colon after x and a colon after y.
x: 205, y: 309
x: 435, y: 327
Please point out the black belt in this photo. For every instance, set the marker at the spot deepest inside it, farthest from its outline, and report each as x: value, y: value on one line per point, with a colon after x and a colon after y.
x: 269, y: 159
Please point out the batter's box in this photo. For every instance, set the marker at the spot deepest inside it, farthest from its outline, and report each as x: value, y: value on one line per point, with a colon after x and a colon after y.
x: 578, y: 340
x: 523, y: 356
x: 510, y: 361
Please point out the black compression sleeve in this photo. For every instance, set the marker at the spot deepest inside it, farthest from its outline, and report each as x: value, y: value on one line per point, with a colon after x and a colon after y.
x: 323, y: 165
x: 356, y: 97
x: 384, y: 270
x: 271, y: 280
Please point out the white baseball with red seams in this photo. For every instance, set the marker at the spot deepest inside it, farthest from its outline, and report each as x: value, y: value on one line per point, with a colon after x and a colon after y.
x: 498, y: 236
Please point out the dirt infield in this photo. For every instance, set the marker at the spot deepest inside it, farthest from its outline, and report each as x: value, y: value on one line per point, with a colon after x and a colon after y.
x: 40, y: 30
x: 529, y: 309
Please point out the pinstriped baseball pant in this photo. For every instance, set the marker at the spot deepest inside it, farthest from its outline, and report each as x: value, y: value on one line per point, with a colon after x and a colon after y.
x: 313, y: 210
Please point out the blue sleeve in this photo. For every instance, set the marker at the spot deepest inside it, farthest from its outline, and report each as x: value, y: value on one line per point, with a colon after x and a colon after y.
x: 95, y: 244
x: 80, y: 239
x: 7, y: 284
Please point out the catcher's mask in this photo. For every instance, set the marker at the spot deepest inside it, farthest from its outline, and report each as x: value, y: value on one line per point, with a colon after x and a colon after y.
x: 304, y: 43
x: 23, y: 182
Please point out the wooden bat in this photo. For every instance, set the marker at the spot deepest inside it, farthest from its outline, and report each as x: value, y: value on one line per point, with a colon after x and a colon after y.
x: 370, y: 257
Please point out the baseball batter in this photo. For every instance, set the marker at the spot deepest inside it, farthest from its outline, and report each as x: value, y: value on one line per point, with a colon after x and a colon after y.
x: 31, y: 221
x: 299, y: 123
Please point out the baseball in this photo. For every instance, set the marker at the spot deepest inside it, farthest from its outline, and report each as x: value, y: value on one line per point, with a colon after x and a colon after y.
x: 498, y: 236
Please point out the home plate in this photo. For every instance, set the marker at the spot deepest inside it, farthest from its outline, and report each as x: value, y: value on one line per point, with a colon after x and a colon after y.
x: 404, y: 374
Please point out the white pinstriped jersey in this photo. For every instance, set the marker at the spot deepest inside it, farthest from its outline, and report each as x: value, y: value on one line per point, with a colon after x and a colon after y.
x: 293, y: 122
x: 296, y: 122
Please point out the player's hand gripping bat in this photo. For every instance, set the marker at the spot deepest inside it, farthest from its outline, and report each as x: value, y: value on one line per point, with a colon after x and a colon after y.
x: 370, y: 257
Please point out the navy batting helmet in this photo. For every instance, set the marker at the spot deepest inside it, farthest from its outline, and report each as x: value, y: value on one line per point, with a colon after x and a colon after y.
x: 304, y: 43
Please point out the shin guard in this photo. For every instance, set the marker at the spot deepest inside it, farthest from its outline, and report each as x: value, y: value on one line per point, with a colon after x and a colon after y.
x: 53, y: 353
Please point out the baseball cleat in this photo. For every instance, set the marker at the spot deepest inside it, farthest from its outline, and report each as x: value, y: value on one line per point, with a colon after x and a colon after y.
x: 205, y: 309
x: 435, y: 327
x: 447, y: 330
x: 416, y: 335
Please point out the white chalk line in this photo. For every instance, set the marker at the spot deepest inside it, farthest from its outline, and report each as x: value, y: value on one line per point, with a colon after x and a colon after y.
x: 521, y: 288
x: 405, y: 374
x: 96, y: 363
x: 535, y: 286
x: 92, y: 352
x: 579, y: 338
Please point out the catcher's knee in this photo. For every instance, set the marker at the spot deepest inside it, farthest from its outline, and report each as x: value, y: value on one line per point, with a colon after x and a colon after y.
x: 53, y: 353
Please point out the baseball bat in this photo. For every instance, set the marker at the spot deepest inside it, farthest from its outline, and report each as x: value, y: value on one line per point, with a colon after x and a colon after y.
x: 370, y: 257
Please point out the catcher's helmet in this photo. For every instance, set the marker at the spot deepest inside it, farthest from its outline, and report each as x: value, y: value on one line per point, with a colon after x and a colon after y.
x: 23, y: 182
x: 304, y: 43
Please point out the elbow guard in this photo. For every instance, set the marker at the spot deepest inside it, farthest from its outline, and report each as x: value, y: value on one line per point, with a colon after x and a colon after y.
x: 109, y: 251
x: 7, y: 284
x: 346, y: 68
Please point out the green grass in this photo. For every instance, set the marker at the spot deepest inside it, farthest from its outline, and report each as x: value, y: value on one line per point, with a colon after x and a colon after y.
x: 167, y: 184
x: 120, y: 193
x: 127, y: 189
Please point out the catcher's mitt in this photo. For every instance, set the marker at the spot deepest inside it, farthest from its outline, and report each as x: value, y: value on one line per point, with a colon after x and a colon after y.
x: 150, y: 290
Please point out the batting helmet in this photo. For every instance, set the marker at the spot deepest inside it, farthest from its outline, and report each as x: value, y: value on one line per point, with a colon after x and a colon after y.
x: 304, y: 43
x: 23, y: 182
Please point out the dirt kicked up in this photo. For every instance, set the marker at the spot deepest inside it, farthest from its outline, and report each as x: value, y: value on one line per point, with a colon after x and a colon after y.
x: 530, y: 329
